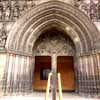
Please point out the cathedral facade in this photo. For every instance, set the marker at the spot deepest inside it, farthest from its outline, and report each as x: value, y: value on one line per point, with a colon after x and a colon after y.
x: 38, y: 36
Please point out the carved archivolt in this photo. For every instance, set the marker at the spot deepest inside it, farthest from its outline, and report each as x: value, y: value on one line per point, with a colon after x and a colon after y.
x: 12, y: 10
x: 26, y: 30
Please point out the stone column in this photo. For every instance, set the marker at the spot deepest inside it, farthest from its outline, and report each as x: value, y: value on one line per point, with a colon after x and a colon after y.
x: 2, y: 72
x: 54, y: 63
x: 54, y: 70
x: 98, y: 68
x: 88, y: 75
x: 32, y: 68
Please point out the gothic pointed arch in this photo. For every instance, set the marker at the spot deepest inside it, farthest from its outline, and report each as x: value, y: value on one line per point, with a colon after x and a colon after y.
x: 26, y: 31
x: 53, y: 13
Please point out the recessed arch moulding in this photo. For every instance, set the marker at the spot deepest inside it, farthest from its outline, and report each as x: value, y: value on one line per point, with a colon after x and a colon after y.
x: 67, y: 18
x: 75, y: 24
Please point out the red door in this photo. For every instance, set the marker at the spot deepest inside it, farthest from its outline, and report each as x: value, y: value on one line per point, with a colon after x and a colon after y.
x: 66, y: 68
x: 42, y: 68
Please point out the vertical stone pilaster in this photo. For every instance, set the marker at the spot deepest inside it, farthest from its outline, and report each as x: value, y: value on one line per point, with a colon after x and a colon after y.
x: 18, y: 81
x: 31, y: 71
x: 54, y: 62
x: 3, y: 61
x: 22, y: 75
x: 88, y: 75
x: 23, y: 84
x: 9, y: 75
x: 54, y: 70
x: 98, y: 72
x: 32, y: 67
x: 27, y: 78
x: 4, y: 86
x: 76, y: 73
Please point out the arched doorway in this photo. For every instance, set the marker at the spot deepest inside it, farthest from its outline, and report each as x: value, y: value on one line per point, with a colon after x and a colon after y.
x: 84, y: 35
x: 51, y: 42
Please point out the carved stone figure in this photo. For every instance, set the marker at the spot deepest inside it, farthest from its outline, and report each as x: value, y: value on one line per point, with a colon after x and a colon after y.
x: 3, y: 37
x: 13, y: 9
x: 54, y: 44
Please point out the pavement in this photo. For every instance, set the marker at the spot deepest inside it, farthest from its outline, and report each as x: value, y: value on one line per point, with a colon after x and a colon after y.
x: 41, y: 96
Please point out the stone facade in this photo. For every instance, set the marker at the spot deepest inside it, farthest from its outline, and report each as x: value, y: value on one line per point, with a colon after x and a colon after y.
x: 16, y: 75
x: 11, y: 10
x: 22, y: 42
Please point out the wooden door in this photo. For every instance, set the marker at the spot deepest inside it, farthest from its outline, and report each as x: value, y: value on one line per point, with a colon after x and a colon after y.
x: 42, y: 68
x: 66, y: 68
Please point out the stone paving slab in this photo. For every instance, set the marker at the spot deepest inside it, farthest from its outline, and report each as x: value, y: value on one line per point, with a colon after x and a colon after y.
x: 41, y: 96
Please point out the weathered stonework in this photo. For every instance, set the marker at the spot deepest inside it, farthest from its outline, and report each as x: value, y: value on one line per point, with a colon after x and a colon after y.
x: 22, y: 46
x: 53, y: 42
x: 3, y: 37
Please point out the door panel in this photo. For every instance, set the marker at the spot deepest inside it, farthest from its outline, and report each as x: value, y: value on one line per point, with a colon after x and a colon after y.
x: 42, y: 68
x: 66, y: 68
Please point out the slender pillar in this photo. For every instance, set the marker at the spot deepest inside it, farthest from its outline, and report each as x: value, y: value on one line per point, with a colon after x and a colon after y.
x: 54, y: 68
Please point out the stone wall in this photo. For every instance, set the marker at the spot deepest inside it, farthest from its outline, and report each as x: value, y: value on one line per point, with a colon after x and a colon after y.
x: 18, y: 61
x: 88, y: 75
x: 17, y: 73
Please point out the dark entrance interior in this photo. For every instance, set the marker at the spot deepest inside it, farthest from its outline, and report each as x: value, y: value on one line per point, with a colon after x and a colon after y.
x: 66, y: 68
x: 42, y: 68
